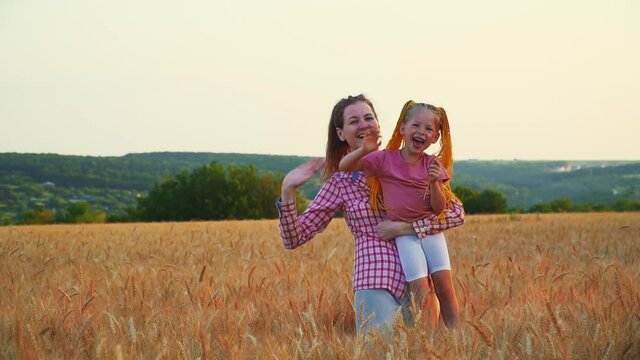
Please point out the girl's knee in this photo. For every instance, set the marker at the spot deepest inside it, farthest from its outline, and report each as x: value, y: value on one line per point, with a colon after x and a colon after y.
x: 422, y: 285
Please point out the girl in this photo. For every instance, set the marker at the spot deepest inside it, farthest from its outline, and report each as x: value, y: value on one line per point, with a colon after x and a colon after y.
x: 378, y: 281
x: 413, y: 184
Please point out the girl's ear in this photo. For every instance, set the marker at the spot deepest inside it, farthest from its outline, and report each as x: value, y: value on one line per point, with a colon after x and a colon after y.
x: 340, y: 134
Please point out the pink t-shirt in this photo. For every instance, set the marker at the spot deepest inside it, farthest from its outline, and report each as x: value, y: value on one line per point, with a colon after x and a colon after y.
x: 405, y: 186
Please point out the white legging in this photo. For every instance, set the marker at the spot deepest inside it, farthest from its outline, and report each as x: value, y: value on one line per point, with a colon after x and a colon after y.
x: 422, y: 257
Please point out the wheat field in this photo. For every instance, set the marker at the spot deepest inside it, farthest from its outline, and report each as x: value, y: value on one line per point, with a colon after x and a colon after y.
x: 551, y: 286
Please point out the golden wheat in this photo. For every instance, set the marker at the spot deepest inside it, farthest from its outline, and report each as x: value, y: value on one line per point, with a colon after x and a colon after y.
x: 530, y: 286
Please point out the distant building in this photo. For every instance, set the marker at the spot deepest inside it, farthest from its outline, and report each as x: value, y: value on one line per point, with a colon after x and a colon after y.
x: 568, y: 168
x: 48, y: 183
x: 79, y: 198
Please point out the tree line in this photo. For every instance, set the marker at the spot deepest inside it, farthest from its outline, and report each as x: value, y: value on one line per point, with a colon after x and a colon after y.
x: 112, y: 183
x: 109, y: 184
x: 212, y: 192
x: 226, y: 192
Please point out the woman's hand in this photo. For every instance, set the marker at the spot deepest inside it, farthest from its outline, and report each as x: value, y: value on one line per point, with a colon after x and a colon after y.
x: 299, y: 176
x: 390, y: 230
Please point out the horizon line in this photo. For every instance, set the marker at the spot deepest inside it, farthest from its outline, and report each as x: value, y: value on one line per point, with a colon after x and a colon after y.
x: 290, y: 155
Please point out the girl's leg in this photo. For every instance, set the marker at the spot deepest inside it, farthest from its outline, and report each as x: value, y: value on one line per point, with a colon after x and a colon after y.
x: 421, y: 290
x: 435, y: 247
x: 443, y: 284
x: 414, y: 266
x: 375, y: 309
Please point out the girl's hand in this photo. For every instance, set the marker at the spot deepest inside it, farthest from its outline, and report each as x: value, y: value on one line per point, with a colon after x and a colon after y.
x: 301, y: 174
x: 435, y: 171
x: 371, y: 140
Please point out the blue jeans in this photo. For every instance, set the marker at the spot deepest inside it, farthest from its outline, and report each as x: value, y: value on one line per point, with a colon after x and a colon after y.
x: 379, y: 309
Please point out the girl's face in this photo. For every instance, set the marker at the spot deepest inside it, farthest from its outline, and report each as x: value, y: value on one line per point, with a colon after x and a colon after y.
x: 420, y: 131
x: 357, y: 118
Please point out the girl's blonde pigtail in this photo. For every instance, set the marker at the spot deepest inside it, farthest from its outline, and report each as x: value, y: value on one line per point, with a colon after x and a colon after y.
x: 446, y: 158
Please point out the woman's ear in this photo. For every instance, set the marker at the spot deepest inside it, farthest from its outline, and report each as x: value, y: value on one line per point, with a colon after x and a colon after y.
x: 340, y: 134
x: 436, y: 138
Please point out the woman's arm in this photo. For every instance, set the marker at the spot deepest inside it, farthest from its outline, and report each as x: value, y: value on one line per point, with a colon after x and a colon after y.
x: 296, y: 230
x: 454, y: 217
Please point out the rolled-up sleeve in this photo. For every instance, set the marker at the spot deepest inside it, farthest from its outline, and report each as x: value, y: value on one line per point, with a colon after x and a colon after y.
x: 296, y: 230
x: 454, y: 217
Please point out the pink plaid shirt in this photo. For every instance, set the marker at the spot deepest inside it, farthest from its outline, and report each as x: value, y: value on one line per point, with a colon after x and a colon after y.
x: 377, y: 265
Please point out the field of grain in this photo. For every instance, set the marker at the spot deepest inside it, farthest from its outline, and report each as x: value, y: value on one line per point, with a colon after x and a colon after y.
x: 530, y: 286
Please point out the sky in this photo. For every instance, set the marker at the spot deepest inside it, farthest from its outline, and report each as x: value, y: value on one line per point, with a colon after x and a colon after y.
x: 527, y: 80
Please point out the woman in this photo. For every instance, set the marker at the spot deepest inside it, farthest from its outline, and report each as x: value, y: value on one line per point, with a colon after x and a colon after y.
x: 378, y: 281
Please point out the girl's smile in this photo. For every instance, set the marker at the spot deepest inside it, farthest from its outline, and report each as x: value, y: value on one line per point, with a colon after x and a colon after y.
x: 419, y: 133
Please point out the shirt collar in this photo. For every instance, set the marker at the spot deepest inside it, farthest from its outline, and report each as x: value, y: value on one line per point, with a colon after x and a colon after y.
x: 353, y: 175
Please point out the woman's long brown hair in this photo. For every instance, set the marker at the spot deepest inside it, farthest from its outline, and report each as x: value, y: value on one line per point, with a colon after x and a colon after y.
x: 337, y: 148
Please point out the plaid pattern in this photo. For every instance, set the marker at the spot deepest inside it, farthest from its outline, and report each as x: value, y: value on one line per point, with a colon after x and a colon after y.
x: 377, y: 265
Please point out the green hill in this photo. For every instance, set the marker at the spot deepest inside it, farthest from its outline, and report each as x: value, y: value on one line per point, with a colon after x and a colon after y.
x: 113, y: 183
x: 108, y: 183
x: 526, y: 183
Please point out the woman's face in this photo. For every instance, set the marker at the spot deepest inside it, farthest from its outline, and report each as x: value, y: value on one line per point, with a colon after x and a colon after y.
x: 357, y: 118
